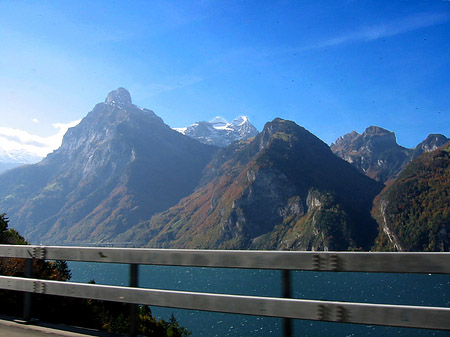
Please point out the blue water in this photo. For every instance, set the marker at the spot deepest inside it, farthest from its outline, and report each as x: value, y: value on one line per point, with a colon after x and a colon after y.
x: 407, y: 289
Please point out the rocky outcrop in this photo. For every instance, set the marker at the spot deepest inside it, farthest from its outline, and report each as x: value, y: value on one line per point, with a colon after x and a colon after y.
x: 384, y: 224
x: 120, y: 98
x: 376, y: 153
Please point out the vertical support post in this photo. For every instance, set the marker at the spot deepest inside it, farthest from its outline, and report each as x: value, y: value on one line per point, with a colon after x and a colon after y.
x: 287, y: 293
x: 134, y: 282
x: 27, y: 295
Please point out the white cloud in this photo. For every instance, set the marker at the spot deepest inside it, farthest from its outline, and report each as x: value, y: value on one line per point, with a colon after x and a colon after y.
x: 20, y: 140
x: 35, y: 120
x: 405, y: 25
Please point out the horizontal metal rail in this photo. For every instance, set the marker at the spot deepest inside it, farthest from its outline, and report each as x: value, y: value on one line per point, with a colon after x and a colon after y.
x: 433, y: 263
x: 343, y: 312
x: 287, y: 308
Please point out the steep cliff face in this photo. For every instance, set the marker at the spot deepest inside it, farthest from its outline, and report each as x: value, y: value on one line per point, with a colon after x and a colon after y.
x: 119, y: 166
x: 374, y: 153
x: 414, y: 211
x: 377, y: 154
x: 324, y: 225
x: 284, y: 189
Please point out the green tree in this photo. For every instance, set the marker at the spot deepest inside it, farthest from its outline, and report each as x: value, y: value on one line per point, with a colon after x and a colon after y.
x: 7, y: 235
x: 62, y: 269
x: 175, y: 330
x: 3, y: 222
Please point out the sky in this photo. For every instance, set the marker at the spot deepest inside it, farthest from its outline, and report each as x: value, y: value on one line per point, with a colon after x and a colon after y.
x: 330, y: 66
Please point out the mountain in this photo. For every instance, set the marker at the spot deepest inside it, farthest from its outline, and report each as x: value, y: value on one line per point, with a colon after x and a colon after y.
x: 414, y: 211
x: 13, y: 158
x: 18, y: 157
x: 431, y: 143
x: 283, y: 189
x: 119, y: 166
x: 6, y: 166
x: 376, y: 153
x: 219, y: 132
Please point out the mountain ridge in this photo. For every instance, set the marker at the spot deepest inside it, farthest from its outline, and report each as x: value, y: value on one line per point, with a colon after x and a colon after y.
x: 414, y: 210
x: 123, y: 176
x: 219, y: 132
x: 376, y: 153
x: 258, y: 193
x: 94, y: 186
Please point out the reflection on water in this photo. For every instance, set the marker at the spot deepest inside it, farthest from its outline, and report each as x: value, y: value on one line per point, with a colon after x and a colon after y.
x: 407, y: 289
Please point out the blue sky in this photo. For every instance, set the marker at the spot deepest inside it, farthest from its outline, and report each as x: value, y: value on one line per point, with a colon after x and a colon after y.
x: 331, y: 66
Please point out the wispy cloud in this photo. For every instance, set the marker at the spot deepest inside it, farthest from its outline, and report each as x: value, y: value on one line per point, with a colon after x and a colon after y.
x: 381, y: 31
x: 154, y: 89
x: 19, y: 140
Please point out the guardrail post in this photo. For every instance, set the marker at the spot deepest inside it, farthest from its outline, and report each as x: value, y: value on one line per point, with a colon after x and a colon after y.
x: 27, y: 295
x: 134, y: 282
x: 287, y: 293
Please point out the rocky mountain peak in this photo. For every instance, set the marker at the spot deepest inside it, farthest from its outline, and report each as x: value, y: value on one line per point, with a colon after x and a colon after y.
x: 218, y: 122
x: 240, y: 120
x: 344, y: 141
x: 376, y: 130
x: 120, y: 97
x: 431, y: 143
x: 284, y: 134
x: 282, y: 126
x: 270, y: 129
x: 379, y: 137
x: 118, y: 166
x: 376, y: 153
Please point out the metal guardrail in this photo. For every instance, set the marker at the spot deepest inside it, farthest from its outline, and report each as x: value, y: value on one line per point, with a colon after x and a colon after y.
x: 287, y: 308
x: 384, y: 262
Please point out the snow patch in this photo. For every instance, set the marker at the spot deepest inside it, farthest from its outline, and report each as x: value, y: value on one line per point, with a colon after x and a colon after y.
x: 219, y: 131
x: 181, y: 130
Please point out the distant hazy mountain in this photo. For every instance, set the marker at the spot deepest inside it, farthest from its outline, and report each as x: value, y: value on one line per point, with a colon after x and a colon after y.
x: 18, y: 156
x: 219, y: 132
x: 414, y: 212
x: 7, y: 166
x: 14, y: 158
x: 283, y: 189
x: 119, y: 166
x: 377, y: 154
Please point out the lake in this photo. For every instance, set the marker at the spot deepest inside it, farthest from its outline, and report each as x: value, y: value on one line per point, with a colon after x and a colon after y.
x: 406, y: 289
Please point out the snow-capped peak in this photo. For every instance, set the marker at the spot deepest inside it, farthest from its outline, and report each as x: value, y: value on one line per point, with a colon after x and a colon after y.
x: 219, y: 123
x: 240, y: 120
x: 19, y: 156
x: 218, y: 120
x: 219, y: 132
x: 181, y: 130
